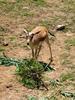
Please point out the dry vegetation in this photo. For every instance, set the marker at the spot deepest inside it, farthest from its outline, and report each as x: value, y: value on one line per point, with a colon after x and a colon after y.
x: 15, y: 15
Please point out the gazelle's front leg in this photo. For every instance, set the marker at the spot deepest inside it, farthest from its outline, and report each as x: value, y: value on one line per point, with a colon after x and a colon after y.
x: 36, y: 50
x: 33, y: 54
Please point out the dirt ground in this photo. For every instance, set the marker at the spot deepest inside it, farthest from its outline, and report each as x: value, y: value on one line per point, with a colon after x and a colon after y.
x: 11, y: 28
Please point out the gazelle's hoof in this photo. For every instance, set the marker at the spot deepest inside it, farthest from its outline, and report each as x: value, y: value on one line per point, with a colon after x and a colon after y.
x: 51, y: 59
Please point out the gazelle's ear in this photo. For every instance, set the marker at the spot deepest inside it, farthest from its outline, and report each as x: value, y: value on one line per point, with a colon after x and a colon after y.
x: 25, y: 31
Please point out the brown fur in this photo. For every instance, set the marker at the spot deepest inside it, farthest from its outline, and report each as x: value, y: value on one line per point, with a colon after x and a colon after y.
x: 38, y: 35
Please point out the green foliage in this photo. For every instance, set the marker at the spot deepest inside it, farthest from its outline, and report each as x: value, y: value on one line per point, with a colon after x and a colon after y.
x: 3, y: 29
x: 8, y: 61
x: 31, y: 98
x: 70, y: 42
x: 14, y: 9
x: 46, y: 23
x: 24, y: 13
x: 2, y: 49
x: 17, y: 8
x: 68, y: 76
x: 66, y: 62
x: 53, y: 82
x: 53, y: 98
x: 67, y: 94
x: 29, y: 70
x: 44, y: 98
x: 7, y: 6
x: 12, y: 38
x: 39, y: 2
x: 34, y: 98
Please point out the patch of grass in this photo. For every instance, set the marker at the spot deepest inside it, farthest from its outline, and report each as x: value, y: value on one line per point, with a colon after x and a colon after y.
x: 2, y: 49
x: 17, y: 90
x: 65, y: 59
x: 14, y: 9
x: 50, y: 22
x: 44, y: 98
x: 65, y: 55
x: 68, y: 76
x: 66, y: 62
x: 53, y: 21
x: 26, y: 13
x: 39, y: 2
x: 8, y: 61
x: 3, y: 29
x: 53, y: 98
x: 31, y: 98
x: 70, y: 42
x: 67, y: 8
x: 53, y: 83
x: 18, y: 8
x: 67, y: 47
x: 46, y: 23
x: 29, y: 70
x: 69, y: 5
x: 68, y: 94
x: 13, y: 38
x: 6, y: 6
x: 32, y: 2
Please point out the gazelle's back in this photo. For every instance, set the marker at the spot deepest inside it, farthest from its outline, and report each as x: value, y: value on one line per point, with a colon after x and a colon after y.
x: 40, y: 33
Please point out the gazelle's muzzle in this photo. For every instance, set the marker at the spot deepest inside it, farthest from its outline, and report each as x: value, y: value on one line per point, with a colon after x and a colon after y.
x: 27, y: 43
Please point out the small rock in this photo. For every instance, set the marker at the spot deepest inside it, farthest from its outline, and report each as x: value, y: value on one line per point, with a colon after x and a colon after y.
x: 5, y: 43
x: 9, y: 86
x: 60, y: 27
x: 25, y: 8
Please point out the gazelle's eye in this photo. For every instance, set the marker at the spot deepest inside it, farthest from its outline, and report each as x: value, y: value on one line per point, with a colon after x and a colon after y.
x: 31, y: 37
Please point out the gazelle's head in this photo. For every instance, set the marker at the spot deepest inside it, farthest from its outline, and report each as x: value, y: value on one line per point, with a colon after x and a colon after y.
x: 29, y: 36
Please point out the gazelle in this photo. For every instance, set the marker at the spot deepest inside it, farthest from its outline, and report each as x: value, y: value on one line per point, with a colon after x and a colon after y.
x: 35, y: 38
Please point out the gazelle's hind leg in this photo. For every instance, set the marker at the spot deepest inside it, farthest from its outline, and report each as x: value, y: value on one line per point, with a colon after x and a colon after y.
x: 49, y: 45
